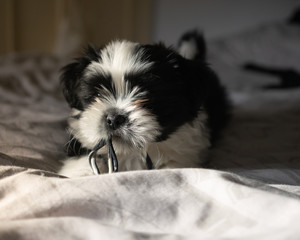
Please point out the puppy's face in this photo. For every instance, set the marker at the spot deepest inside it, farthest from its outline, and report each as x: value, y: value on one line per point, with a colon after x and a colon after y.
x: 137, y: 94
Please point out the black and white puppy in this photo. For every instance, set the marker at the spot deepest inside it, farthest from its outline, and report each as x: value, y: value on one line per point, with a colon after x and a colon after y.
x: 145, y: 98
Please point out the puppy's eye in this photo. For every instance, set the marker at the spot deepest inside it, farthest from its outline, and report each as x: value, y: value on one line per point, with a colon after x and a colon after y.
x: 98, y: 95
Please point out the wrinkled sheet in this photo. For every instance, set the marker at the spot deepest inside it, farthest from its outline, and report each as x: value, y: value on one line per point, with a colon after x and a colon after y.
x: 250, y: 191
x: 166, y: 204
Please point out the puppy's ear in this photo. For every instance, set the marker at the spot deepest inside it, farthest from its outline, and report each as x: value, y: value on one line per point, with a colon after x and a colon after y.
x: 72, y: 75
x: 192, y: 46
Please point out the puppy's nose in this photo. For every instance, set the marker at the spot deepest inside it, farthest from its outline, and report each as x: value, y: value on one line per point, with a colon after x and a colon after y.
x: 114, y: 121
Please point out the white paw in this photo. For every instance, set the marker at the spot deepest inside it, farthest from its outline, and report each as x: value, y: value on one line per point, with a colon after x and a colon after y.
x: 76, y: 167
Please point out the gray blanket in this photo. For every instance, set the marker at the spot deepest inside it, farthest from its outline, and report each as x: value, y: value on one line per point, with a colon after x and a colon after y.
x: 251, y: 191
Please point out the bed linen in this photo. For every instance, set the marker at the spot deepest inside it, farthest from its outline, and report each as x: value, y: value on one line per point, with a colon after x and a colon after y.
x: 251, y: 189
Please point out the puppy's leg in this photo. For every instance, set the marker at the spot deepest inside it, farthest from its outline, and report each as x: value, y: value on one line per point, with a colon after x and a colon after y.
x: 79, y: 167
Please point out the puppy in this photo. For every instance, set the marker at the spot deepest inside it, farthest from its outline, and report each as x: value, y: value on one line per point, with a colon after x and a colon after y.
x: 145, y: 98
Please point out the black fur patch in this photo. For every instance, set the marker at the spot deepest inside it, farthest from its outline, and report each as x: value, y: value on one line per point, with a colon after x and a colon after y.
x: 72, y: 74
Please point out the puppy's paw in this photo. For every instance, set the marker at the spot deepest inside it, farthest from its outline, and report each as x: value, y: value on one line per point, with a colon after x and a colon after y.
x: 76, y: 167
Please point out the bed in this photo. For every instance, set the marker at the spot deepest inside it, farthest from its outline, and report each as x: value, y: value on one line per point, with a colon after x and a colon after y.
x: 250, y: 190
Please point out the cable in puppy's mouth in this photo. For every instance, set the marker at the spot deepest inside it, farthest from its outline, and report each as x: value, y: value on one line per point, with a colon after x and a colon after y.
x: 112, y: 157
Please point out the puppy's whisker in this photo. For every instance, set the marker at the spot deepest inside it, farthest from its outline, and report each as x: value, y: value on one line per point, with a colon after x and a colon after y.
x: 74, y: 144
x: 68, y: 144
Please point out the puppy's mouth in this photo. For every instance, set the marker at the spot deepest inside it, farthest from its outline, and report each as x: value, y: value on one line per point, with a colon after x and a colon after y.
x: 125, y: 138
x: 119, y: 139
x: 117, y: 135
